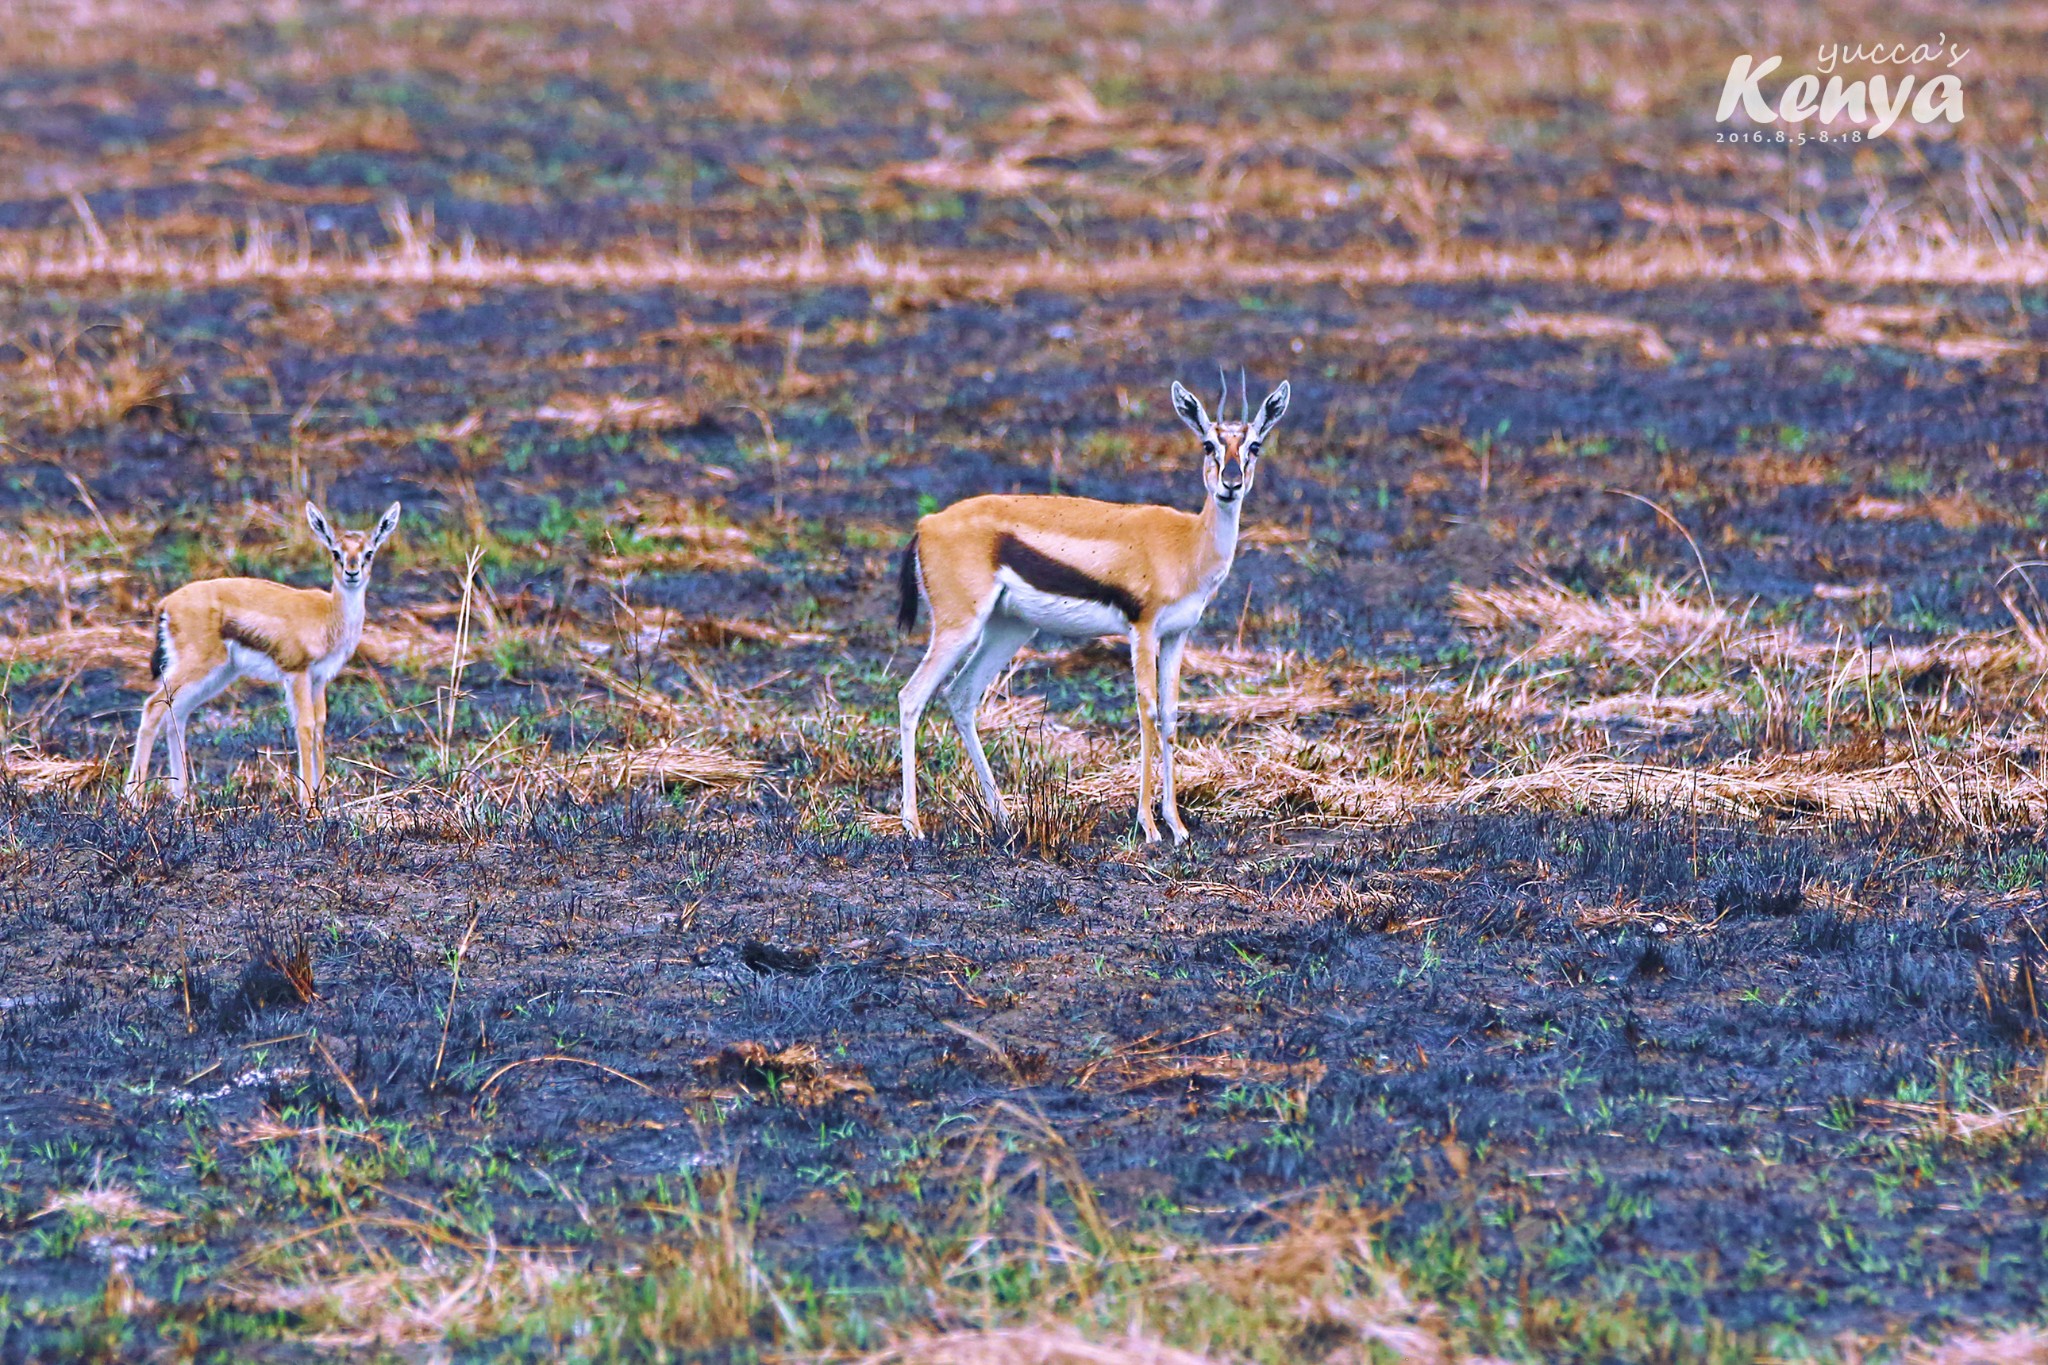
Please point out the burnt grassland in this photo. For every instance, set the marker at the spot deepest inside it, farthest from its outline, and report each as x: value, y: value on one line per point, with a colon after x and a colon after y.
x: 1615, y: 923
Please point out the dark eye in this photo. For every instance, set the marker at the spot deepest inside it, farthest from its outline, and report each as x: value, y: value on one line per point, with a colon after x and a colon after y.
x: 1208, y: 447
x: 336, y: 554
x: 1252, y: 449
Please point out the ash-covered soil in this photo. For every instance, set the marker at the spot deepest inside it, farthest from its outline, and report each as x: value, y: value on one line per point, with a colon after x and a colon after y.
x: 1595, y: 1060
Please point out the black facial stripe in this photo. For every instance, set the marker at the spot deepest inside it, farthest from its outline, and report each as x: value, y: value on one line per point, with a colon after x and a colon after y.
x: 1047, y: 574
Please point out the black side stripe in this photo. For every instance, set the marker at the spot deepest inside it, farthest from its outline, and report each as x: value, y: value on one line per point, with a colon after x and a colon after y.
x: 1050, y: 575
x: 286, y: 655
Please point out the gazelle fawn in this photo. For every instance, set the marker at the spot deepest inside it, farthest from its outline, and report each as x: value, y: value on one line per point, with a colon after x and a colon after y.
x: 996, y: 570
x: 211, y: 633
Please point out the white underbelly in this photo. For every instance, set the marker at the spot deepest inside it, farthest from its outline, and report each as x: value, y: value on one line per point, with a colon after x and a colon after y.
x: 323, y: 670
x: 1181, y: 616
x: 1055, y: 614
x: 254, y: 663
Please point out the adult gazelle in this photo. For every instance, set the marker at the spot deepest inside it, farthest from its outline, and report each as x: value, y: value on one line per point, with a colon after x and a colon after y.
x: 995, y: 570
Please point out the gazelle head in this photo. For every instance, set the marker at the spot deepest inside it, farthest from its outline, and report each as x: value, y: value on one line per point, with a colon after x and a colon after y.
x: 352, y: 550
x: 1230, y: 450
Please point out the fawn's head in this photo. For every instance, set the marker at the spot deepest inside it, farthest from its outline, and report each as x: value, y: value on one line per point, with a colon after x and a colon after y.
x: 1230, y: 450
x: 352, y: 550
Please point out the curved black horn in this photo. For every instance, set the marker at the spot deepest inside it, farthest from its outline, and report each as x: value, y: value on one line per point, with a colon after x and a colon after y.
x: 1222, y: 394
x: 1244, y: 397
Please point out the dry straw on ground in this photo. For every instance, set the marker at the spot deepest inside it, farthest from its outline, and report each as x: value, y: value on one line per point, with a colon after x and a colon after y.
x: 2020, y: 1346
x: 269, y: 255
x: 34, y: 771
x: 588, y: 416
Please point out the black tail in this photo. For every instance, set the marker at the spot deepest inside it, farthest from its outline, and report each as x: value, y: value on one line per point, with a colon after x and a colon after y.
x: 907, y: 587
x: 160, y: 657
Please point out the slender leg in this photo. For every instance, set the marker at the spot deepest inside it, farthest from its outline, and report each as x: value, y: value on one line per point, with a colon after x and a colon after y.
x: 1001, y: 638
x: 154, y: 710
x: 299, y: 701
x: 1145, y: 665
x: 946, y: 649
x: 174, y: 748
x: 1170, y: 650
x: 320, y: 735
x: 186, y: 698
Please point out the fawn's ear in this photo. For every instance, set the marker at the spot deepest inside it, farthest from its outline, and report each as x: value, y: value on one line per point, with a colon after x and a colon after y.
x: 322, y: 532
x: 1190, y: 409
x: 1270, y: 413
x: 386, y: 524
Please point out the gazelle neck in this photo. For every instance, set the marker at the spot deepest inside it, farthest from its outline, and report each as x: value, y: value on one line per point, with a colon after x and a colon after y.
x: 346, y: 614
x: 1219, y: 527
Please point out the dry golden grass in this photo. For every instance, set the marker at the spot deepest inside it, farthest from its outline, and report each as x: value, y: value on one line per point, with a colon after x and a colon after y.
x: 267, y: 256
x: 109, y: 1205
x: 1276, y: 773
x: 357, y: 1284
x: 1048, y: 1345
x: 677, y: 533
x: 1657, y: 624
x: 91, y: 379
x: 1147, y: 1068
x: 1648, y: 711
x: 669, y: 764
x: 124, y: 647
x: 1272, y: 773
x: 1645, y: 341
x: 411, y: 1301
x: 1963, y: 793
x: 35, y: 771
x: 1921, y: 327
x: 1022, y: 1215
x: 57, y: 555
x: 589, y: 416
x: 2020, y: 1346
x: 1274, y: 701
x: 1962, y: 1125
x: 1322, y: 1280
x: 1640, y: 64
x: 1661, y: 627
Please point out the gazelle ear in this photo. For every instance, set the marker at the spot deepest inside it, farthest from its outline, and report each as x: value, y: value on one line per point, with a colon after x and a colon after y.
x: 386, y: 524
x: 322, y: 532
x: 1190, y: 409
x: 1270, y: 412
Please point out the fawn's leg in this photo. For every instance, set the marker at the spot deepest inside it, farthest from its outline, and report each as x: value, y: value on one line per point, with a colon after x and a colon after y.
x: 154, y: 711
x: 298, y: 699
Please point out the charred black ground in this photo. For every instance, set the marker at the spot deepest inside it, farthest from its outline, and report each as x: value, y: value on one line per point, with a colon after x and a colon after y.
x: 1632, y: 1133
